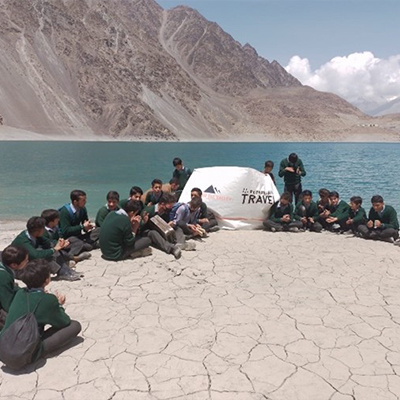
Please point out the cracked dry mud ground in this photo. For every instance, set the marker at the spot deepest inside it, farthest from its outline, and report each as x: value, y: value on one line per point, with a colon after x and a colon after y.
x: 249, y: 315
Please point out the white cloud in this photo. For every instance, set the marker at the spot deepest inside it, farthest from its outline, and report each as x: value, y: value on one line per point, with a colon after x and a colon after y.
x: 361, y: 78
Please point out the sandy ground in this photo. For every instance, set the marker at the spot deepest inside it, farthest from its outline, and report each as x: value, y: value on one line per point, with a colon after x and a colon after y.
x: 249, y: 315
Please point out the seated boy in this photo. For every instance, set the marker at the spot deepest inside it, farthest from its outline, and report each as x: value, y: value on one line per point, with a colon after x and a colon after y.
x: 135, y: 193
x: 14, y: 258
x: 112, y: 205
x: 307, y: 212
x: 118, y: 234
x: 357, y: 215
x: 183, y: 219
x: 72, y: 252
x: 206, y: 219
x: 382, y: 222
x: 175, y: 190
x: 74, y: 220
x: 47, y: 309
x: 180, y: 172
x: 323, y: 205
x: 154, y: 195
x: 39, y: 247
x: 339, y: 213
x: 162, y: 208
x: 281, y: 216
x: 268, y: 167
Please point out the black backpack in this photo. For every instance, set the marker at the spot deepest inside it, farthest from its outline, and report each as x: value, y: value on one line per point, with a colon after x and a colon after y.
x: 20, y: 341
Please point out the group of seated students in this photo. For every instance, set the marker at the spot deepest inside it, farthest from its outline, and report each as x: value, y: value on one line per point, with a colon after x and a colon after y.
x: 56, y: 241
x: 335, y: 215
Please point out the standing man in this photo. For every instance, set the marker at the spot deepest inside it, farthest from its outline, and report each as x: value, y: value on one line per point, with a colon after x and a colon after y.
x: 292, y: 169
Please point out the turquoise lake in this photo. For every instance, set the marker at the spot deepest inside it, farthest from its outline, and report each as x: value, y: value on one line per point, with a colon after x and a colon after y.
x: 39, y: 175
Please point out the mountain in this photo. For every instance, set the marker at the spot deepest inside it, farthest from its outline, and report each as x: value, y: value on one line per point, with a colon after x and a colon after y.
x: 128, y: 69
x: 391, y: 107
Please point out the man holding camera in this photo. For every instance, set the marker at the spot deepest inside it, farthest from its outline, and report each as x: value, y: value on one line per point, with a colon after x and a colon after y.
x: 292, y: 169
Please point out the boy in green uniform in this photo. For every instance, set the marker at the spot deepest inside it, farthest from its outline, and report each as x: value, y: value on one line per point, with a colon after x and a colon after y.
x: 74, y: 220
x: 357, y: 215
x: 307, y: 212
x: 39, y: 247
x: 206, y: 219
x: 135, y: 193
x: 154, y: 195
x: 382, y: 222
x: 162, y: 208
x: 112, y: 205
x: 14, y: 258
x: 118, y: 234
x: 268, y: 167
x: 338, y: 213
x: 281, y: 216
x: 180, y: 172
x: 292, y: 169
x: 175, y: 190
x: 47, y: 308
x: 72, y: 251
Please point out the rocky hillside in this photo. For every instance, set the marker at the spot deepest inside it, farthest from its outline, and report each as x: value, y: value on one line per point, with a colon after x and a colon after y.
x: 131, y: 70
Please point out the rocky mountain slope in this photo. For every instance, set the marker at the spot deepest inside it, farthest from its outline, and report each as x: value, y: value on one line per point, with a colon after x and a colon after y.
x: 128, y: 69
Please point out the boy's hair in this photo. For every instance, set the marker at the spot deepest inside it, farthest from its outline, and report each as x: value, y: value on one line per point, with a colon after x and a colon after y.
x: 35, y: 224
x: 356, y: 200
x: 13, y: 255
x: 36, y: 273
x: 195, y: 203
x: 197, y: 190
x: 135, y: 190
x: 133, y: 205
x: 286, y: 196
x: 113, y: 195
x: 75, y: 194
x: 293, y: 157
x: 156, y: 182
x: 174, y: 180
x: 176, y: 161
x: 269, y: 163
x: 167, y: 198
x: 334, y: 194
x: 377, y: 199
x: 306, y: 193
x: 50, y: 215
x: 324, y: 192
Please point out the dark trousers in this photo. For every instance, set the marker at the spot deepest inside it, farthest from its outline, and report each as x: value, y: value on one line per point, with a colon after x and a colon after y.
x: 76, y: 246
x: 281, y: 226
x: 140, y: 244
x: 313, y: 227
x: 294, y: 190
x: 208, y: 225
x: 159, y: 242
x: 3, y: 316
x: 54, y: 339
x: 378, y: 234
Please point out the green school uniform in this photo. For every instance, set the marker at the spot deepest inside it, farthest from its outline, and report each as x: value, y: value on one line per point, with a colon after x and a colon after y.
x: 32, y: 245
x: 8, y: 288
x: 358, y: 217
x: 116, y: 235
x: 278, y: 212
x: 102, y: 214
x: 342, y: 211
x: 48, y: 312
x: 151, y: 198
x: 72, y: 224
x: 52, y: 235
x: 388, y: 217
x: 311, y: 211
x: 291, y: 178
x: 183, y: 176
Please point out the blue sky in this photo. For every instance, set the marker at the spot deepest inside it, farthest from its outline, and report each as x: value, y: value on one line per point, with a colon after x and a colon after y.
x: 362, y: 36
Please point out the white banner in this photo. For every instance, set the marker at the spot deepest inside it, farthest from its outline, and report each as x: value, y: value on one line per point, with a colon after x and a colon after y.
x: 239, y: 197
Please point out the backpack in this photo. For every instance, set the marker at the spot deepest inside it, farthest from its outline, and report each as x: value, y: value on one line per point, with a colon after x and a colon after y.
x: 174, y: 209
x: 20, y: 341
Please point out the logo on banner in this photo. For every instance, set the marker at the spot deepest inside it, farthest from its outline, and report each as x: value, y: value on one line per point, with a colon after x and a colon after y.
x: 213, y: 193
x: 257, y: 196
